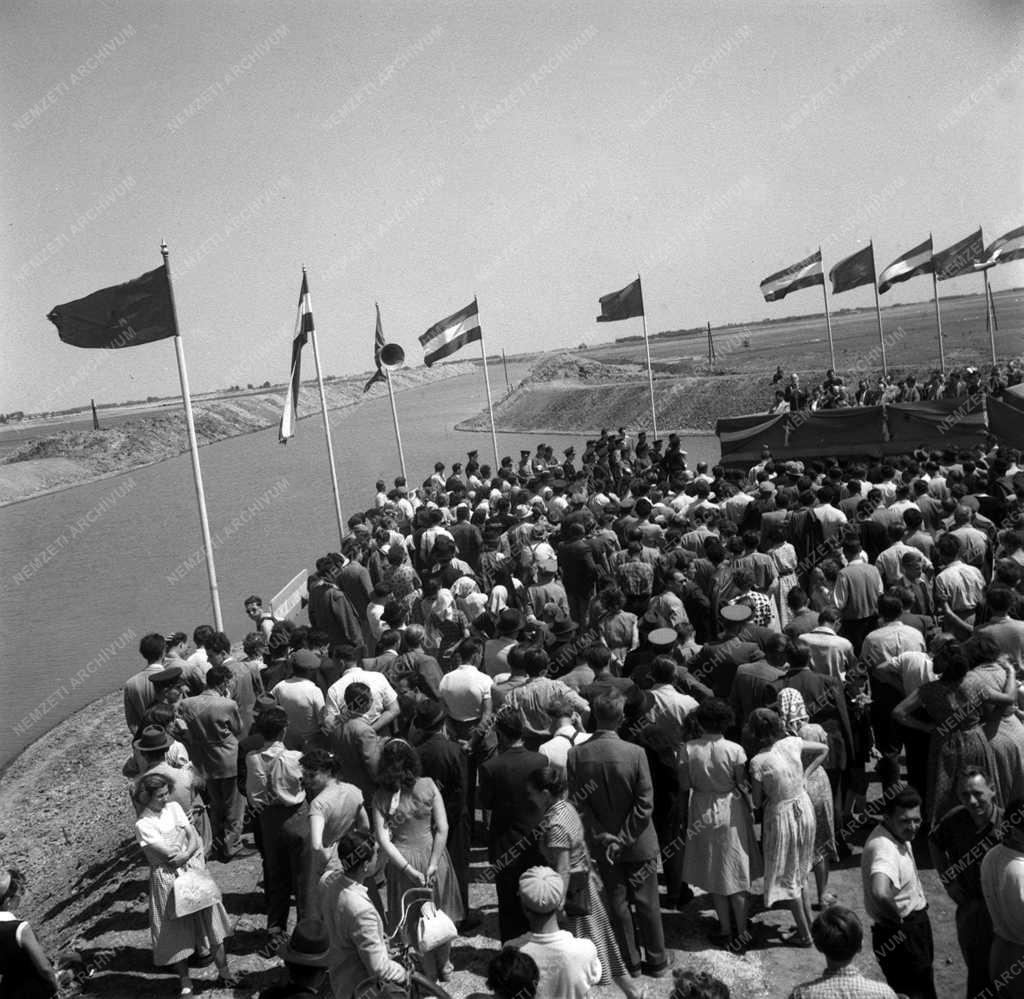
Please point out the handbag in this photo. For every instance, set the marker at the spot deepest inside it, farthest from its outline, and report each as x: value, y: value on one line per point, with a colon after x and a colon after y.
x: 434, y: 929
x: 577, y: 895
x: 194, y: 890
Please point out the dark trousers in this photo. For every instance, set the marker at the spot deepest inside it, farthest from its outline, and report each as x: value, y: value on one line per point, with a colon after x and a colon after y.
x: 974, y: 934
x: 478, y: 751
x: 888, y: 735
x: 635, y: 883
x: 856, y: 630
x: 284, y: 855
x: 226, y: 811
x: 905, y: 954
x: 458, y: 851
x: 512, y: 922
x: 916, y: 745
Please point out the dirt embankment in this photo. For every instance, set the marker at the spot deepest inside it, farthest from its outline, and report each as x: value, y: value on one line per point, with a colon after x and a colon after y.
x: 56, y: 461
x: 564, y: 394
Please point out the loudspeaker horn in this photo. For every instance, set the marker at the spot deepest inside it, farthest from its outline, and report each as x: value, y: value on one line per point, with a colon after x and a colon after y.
x: 392, y: 356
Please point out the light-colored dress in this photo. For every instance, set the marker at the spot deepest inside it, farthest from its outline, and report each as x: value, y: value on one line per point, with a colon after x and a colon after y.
x: 788, y: 827
x: 563, y: 830
x: 819, y: 790
x: 408, y: 817
x: 174, y: 937
x: 721, y: 854
x: 784, y: 557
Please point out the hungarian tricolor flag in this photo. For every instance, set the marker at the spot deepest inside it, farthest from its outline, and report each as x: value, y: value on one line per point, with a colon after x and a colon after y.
x: 125, y: 315
x: 854, y: 271
x: 451, y: 334
x: 960, y: 258
x: 1006, y: 248
x: 303, y: 328
x: 624, y: 304
x: 913, y: 262
x: 804, y: 274
x: 378, y: 346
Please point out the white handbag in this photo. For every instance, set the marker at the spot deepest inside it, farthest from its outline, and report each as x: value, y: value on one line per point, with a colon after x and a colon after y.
x: 434, y: 929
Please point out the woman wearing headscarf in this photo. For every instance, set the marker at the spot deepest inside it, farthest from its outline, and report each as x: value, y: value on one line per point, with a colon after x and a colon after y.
x: 796, y: 722
x: 171, y: 844
x: 25, y: 971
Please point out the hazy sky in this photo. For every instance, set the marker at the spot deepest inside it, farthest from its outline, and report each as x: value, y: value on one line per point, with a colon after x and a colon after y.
x: 537, y: 155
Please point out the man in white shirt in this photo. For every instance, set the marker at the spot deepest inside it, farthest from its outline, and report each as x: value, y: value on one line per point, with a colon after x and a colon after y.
x: 831, y: 653
x: 383, y: 699
x: 888, y: 562
x: 895, y: 901
x: 569, y: 966
x: 831, y: 517
x: 301, y: 698
x: 893, y: 636
x: 960, y: 585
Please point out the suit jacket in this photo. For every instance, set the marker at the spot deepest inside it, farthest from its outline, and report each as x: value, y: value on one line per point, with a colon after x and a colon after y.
x: 358, y: 750
x: 331, y: 611
x: 445, y: 763
x: 503, y: 790
x: 825, y: 701
x: 213, y: 725
x: 610, y: 783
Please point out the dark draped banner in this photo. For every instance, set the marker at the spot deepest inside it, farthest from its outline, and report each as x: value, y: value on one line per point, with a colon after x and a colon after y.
x: 870, y: 431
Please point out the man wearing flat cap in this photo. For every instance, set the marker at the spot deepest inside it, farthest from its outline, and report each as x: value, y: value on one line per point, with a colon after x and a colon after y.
x: 568, y: 964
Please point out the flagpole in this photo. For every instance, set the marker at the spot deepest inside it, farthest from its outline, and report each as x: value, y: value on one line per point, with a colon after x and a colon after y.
x: 828, y: 319
x: 197, y: 474
x: 487, y: 386
x: 650, y: 372
x: 938, y: 319
x: 878, y: 309
x: 327, y: 424
x: 988, y: 318
x: 394, y: 417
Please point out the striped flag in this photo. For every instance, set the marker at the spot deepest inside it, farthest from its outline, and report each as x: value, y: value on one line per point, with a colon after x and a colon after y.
x: 451, y: 334
x: 378, y: 346
x: 913, y: 262
x: 855, y: 270
x: 960, y: 258
x: 1006, y: 248
x: 303, y: 328
x: 804, y: 274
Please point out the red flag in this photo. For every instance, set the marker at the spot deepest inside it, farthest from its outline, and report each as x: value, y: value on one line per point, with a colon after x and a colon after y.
x: 624, y: 304
x: 961, y: 257
x: 126, y: 315
x: 855, y: 270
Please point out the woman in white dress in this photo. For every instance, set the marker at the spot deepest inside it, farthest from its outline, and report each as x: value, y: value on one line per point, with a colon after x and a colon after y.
x: 171, y: 844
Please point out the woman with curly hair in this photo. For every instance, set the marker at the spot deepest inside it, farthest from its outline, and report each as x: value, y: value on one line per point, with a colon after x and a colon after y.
x: 778, y: 775
x: 617, y: 627
x: 721, y: 855
x: 955, y: 704
x: 411, y: 826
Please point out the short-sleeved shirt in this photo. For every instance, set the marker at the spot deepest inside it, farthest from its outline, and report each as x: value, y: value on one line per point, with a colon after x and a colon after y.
x: 884, y: 854
x: 339, y: 805
x: 463, y: 692
x: 569, y: 967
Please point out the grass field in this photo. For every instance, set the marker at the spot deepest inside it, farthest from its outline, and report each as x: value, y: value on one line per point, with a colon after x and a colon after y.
x: 802, y: 344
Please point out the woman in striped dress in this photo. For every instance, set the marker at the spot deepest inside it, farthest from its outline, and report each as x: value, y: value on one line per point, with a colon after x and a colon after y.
x: 564, y: 848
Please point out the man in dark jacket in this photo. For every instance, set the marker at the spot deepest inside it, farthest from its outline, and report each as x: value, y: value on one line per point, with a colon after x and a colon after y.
x: 610, y: 783
x: 511, y: 840
x: 579, y: 570
x: 330, y: 610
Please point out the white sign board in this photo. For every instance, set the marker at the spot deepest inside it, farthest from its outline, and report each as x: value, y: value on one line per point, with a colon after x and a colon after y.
x: 287, y: 605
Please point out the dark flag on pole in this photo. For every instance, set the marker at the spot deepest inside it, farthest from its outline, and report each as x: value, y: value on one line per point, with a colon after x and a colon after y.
x: 854, y: 271
x: 624, y: 304
x: 303, y: 327
x: 378, y: 346
x: 959, y: 258
x: 125, y: 315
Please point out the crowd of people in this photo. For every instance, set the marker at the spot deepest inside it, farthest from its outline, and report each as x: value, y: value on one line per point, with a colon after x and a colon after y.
x: 632, y: 682
x: 832, y: 392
